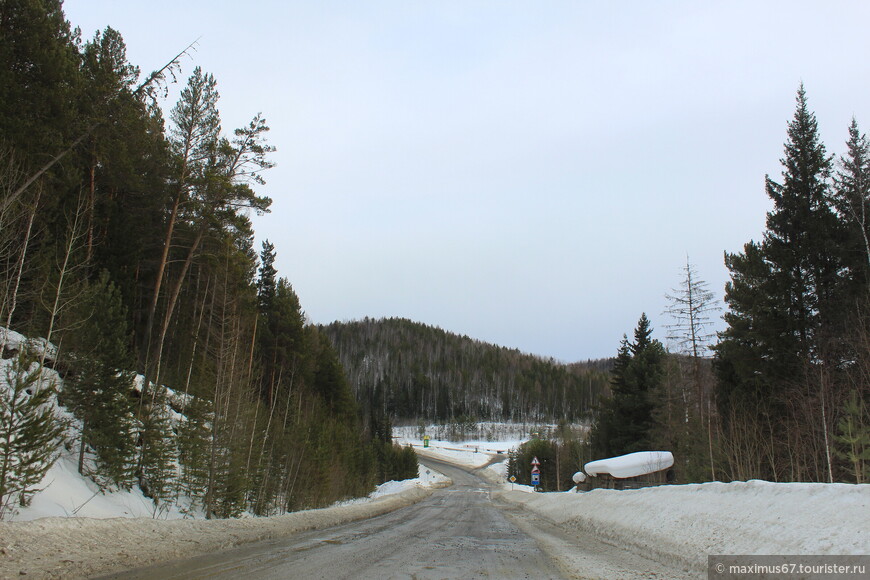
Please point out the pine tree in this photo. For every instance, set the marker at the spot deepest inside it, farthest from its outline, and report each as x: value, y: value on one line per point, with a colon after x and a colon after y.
x: 193, y: 142
x: 99, y: 394
x: 854, y: 438
x: 266, y: 284
x: 30, y: 434
x: 39, y: 79
x: 194, y: 442
x: 158, y: 452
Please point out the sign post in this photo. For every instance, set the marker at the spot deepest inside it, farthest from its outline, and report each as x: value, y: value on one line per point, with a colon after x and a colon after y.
x: 536, y: 473
x: 425, y: 441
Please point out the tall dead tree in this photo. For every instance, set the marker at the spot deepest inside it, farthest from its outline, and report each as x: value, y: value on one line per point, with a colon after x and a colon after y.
x: 691, y: 306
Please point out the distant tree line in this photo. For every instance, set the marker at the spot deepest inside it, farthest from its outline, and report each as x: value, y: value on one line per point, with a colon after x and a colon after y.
x: 408, y: 371
x: 125, y: 240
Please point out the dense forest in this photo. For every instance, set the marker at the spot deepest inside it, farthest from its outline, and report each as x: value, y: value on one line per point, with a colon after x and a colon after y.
x: 125, y: 240
x: 410, y: 370
x: 785, y: 395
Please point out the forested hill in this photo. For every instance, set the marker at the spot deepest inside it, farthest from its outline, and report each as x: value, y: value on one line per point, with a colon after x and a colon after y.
x: 410, y: 370
x: 126, y: 240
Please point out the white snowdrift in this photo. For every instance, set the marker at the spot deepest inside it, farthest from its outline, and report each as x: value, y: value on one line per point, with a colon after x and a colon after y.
x: 682, y: 524
x: 631, y: 465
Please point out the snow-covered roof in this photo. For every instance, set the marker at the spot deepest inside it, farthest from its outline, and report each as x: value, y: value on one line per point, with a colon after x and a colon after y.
x: 631, y: 465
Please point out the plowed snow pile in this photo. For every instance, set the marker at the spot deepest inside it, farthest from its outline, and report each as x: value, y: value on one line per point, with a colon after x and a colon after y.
x: 685, y: 523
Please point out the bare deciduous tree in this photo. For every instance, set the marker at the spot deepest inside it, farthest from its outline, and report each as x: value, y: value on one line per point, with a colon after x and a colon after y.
x: 691, y: 307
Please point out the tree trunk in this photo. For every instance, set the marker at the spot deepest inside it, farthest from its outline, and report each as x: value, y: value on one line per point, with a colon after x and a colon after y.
x: 173, y: 300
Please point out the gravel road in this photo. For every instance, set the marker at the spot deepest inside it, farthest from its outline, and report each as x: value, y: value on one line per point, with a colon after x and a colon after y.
x: 469, y: 530
x: 458, y: 532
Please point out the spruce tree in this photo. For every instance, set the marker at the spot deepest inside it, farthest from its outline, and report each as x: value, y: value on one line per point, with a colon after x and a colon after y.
x: 30, y: 434
x: 606, y: 423
x: 851, y: 198
x: 625, y: 423
x: 803, y: 240
x: 786, y: 309
x: 690, y: 308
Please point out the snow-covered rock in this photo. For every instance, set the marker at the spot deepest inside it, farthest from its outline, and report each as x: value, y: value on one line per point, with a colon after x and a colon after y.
x: 11, y: 342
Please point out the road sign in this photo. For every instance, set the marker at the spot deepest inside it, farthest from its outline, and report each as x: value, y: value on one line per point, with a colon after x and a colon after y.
x: 426, y: 441
x: 536, y: 478
x: 535, y: 470
x: 513, y: 478
x: 535, y: 462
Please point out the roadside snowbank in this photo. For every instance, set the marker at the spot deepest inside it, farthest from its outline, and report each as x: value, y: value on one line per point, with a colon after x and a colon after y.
x: 82, y: 547
x: 683, y: 524
x: 65, y: 493
x: 425, y: 478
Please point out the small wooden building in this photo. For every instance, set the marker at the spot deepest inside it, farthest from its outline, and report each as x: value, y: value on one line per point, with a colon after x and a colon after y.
x: 632, y: 471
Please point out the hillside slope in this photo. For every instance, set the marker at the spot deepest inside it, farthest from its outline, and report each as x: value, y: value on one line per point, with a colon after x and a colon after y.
x: 409, y: 370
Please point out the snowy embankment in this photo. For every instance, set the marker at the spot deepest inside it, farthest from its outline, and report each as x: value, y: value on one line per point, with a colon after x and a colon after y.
x: 78, y: 547
x: 683, y: 524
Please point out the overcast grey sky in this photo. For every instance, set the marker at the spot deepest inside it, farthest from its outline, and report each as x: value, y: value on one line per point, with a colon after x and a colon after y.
x: 531, y: 174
